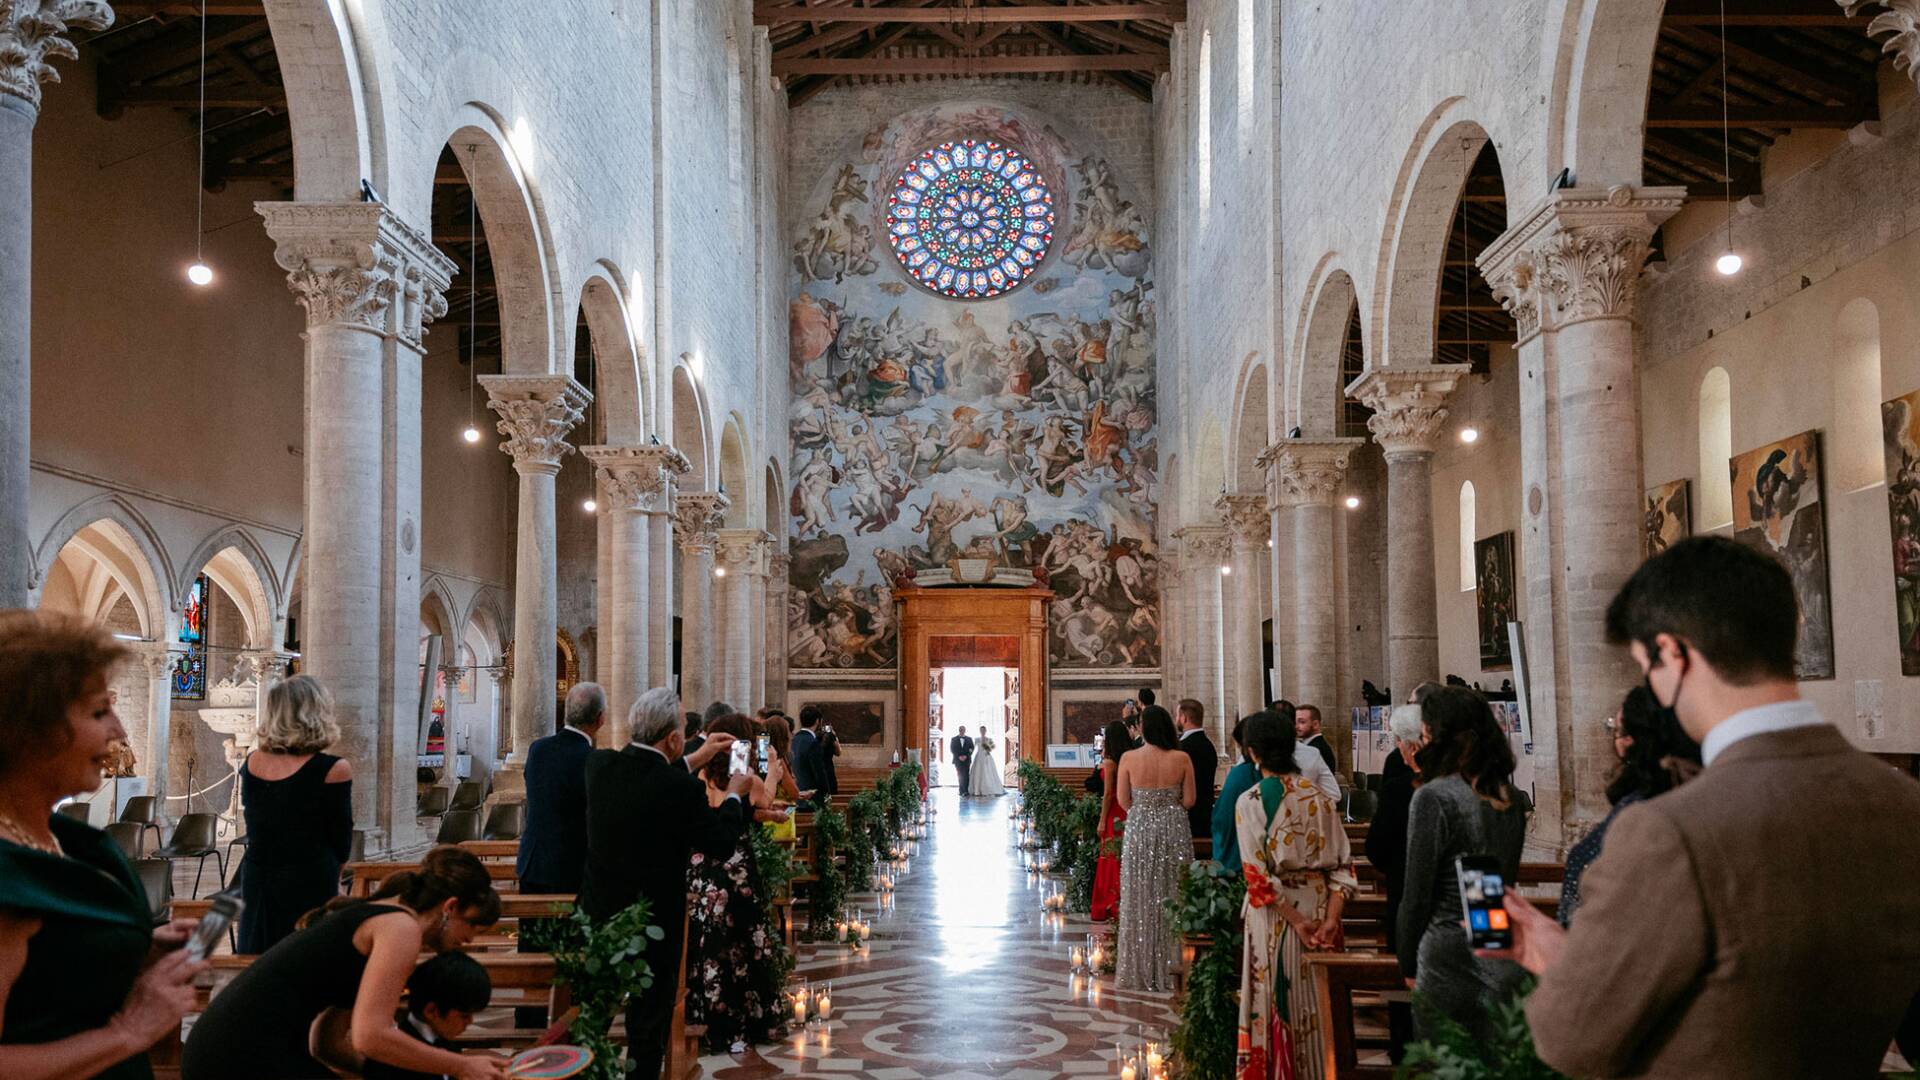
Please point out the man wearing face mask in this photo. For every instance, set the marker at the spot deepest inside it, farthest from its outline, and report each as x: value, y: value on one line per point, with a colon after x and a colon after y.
x: 1760, y: 920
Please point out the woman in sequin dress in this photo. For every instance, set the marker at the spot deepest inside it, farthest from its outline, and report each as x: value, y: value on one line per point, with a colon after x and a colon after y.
x: 1299, y: 870
x: 1155, y: 789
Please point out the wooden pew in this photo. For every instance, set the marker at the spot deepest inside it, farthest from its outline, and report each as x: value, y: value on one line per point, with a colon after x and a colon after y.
x: 492, y: 849
x: 367, y: 876
x: 1337, y: 978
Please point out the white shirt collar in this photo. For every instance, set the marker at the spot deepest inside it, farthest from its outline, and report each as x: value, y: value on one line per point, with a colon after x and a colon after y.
x: 1192, y: 731
x: 421, y: 1026
x: 577, y: 731
x: 1759, y: 720
x: 650, y: 748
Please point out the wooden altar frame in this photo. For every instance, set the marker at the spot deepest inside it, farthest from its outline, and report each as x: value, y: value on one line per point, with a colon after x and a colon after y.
x: 974, y: 611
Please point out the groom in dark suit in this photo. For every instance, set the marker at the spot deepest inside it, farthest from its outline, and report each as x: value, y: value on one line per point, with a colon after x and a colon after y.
x: 962, y: 748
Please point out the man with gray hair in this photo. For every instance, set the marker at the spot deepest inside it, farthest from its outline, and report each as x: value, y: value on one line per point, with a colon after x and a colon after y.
x: 1387, y: 843
x: 553, y: 838
x: 645, y: 818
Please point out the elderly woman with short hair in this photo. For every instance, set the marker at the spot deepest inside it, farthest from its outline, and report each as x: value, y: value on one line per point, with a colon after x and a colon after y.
x: 86, y: 982
x: 299, y: 807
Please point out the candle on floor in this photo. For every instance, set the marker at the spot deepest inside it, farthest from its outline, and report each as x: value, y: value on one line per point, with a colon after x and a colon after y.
x: 1154, y: 1060
x: 824, y: 1004
x: 1079, y: 957
x: 1127, y: 1071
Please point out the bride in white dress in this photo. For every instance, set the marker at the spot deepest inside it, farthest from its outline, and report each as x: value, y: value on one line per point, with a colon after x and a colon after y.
x: 984, y: 777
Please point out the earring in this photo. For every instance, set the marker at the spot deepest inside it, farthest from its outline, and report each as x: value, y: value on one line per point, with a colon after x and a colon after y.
x: 443, y: 920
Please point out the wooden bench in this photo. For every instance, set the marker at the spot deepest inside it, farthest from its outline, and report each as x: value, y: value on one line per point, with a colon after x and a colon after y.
x: 1337, y: 979
x: 367, y: 876
x: 492, y: 849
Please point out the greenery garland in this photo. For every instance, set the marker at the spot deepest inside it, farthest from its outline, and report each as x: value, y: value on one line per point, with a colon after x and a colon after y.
x: 1066, y: 823
x: 864, y: 813
x: 1209, y: 903
x: 602, y: 966
x: 829, y: 898
x: 1454, y: 1054
x: 774, y: 861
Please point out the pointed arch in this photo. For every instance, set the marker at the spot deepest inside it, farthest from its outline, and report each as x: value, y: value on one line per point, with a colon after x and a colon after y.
x: 438, y: 612
x: 151, y: 572
x: 235, y: 561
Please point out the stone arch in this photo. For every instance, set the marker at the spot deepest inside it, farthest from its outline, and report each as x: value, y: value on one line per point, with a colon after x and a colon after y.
x: 1316, y: 391
x: 733, y: 472
x: 690, y: 430
x: 438, y: 612
x: 1251, y: 434
x: 1599, y: 54
x: 142, y: 561
x: 234, y: 561
x: 486, y: 618
x: 619, y: 364
x: 327, y: 97
x: 1413, y: 251
x: 774, y: 495
x: 533, y: 334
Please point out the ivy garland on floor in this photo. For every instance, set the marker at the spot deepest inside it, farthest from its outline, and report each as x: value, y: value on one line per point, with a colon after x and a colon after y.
x: 1066, y: 824
x: 829, y: 892
x: 602, y: 966
x: 1209, y: 904
x: 849, y: 848
x: 775, y: 864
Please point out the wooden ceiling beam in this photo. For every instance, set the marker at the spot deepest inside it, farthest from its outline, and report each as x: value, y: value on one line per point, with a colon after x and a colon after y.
x: 1117, y: 78
x: 839, y: 35
x: 1800, y: 80
x: 765, y: 14
x: 188, y: 97
x: 972, y: 65
x: 1763, y: 116
x: 800, y: 95
x: 1794, y: 13
x: 130, y: 9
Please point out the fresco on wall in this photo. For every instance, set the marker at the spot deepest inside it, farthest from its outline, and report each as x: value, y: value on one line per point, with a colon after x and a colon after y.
x: 1018, y: 428
x: 1777, y: 508
x: 1900, y: 426
x: 1669, y: 516
x: 1494, y: 598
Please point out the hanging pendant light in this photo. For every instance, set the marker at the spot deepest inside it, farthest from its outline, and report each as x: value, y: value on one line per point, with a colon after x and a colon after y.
x: 1729, y: 262
x: 199, y: 273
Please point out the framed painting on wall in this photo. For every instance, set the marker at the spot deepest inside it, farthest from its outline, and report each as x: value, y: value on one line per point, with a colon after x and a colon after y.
x: 1079, y: 715
x: 1900, y: 428
x: 1668, y: 516
x: 861, y: 717
x: 1777, y: 508
x: 1494, y: 598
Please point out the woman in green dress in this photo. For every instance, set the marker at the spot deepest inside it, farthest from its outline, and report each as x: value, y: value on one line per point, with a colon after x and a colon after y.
x: 86, y: 982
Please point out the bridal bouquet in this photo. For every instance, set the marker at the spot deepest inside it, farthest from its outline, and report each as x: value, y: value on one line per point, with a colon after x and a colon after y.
x: 986, y: 743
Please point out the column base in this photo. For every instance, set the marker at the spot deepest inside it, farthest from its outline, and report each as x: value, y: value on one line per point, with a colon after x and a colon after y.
x: 510, y: 782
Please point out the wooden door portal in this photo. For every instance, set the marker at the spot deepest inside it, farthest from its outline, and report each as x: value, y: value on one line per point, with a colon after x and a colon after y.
x: 987, y: 626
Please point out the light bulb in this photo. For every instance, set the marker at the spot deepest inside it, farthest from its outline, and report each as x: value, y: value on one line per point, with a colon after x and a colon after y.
x: 1269, y: 543
x: 1353, y: 502
x: 589, y: 505
x: 200, y: 274
x: 1469, y: 435
x: 1226, y: 571
x: 719, y: 571
x: 472, y: 434
x: 1728, y: 264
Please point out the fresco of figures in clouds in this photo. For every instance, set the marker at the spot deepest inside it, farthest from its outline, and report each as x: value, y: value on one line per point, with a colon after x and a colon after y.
x: 1019, y: 428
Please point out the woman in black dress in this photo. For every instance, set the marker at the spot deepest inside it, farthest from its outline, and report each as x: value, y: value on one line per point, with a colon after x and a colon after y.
x: 86, y: 983
x: 355, y: 955
x: 299, y: 806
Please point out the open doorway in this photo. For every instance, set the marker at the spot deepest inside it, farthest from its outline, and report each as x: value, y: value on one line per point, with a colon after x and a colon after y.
x: 985, y: 701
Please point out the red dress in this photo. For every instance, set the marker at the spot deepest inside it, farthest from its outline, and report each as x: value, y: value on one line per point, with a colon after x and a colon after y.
x: 1106, y: 874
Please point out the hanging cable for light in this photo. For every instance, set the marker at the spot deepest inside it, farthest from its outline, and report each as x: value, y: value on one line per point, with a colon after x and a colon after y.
x: 472, y: 434
x: 200, y: 273
x: 1729, y: 262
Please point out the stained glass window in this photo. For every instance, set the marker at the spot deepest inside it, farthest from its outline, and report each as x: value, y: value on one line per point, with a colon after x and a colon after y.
x: 190, y: 673
x: 970, y: 219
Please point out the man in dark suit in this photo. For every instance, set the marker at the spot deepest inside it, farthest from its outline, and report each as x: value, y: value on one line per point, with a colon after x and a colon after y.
x: 809, y: 755
x: 1206, y: 759
x: 696, y: 729
x: 645, y: 817
x: 553, y: 839
x: 962, y: 749
x: 1306, y: 729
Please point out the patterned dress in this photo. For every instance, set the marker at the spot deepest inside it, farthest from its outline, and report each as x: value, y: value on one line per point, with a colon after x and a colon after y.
x: 1297, y: 852
x: 730, y: 954
x: 1154, y: 851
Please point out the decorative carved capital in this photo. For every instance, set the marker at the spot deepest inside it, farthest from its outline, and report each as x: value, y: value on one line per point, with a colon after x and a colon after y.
x: 741, y: 551
x: 160, y: 659
x: 1307, y: 472
x: 638, y: 477
x: 1577, y: 255
x: 778, y: 563
x: 266, y: 668
x: 357, y: 264
x: 536, y: 412
x: 1207, y: 543
x: 32, y: 33
x: 1409, y: 405
x: 697, y: 517
x: 1245, y: 515
x: 1901, y: 22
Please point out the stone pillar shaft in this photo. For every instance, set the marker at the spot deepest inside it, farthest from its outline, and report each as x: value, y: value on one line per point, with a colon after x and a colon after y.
x: 737, y: 553
x: 1243, y: 651
x: 1207, y: 548
x: 697, y: 519
x: 634, y: 485
x: 776, y: 620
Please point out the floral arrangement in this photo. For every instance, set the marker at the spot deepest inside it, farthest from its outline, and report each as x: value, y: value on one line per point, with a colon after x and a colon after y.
x: 829, y: 893
x: 986, y: 743
x: 602, y: 966
x: 1209, y: 905
x: 1066, y: 823
x: 774, y: 862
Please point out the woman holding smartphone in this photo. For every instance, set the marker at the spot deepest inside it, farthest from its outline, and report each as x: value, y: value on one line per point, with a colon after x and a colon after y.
x: 731, y: 980
x: 86, y: 983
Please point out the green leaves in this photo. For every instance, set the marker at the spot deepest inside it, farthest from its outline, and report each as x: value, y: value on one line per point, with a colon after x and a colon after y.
x: 1454, y: 1054
x: 1209, y: 903
x: 601, y: 966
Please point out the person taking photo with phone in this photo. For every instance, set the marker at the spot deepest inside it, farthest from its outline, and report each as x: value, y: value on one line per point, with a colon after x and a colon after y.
x: 86, y: 982
x: 1760, y: 919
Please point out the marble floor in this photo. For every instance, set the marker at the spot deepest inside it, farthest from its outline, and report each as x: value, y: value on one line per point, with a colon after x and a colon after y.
x: 965, y: 976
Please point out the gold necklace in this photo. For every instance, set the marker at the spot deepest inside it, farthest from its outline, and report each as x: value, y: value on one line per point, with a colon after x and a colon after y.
x: 27, y: 840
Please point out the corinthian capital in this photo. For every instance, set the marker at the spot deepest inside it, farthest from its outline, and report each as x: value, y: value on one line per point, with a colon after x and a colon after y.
x: 637, y: 477
x: 778, y: 563
x: 1577, y: 255
x: 1307, y: 472
x: 1245, y: 515
x: 32, y: 32
x: 536, y: 412
x: 357, y: 264
x: 741, y: 551
x: 1409, y: 405
x: 697, y: 517
x: 1207, y: 544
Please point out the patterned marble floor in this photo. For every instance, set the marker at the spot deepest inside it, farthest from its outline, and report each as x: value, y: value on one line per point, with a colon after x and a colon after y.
x: 965, y: 976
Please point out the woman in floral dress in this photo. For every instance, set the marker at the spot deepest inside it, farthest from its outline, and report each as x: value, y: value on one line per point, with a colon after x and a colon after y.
x: 1299, y: 871
x: 731, y: 951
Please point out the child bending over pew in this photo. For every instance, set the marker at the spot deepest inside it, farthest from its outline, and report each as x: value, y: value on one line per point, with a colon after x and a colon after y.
x: 442, y: 996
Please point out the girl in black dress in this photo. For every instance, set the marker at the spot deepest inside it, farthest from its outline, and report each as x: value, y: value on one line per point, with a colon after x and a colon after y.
x: 86, y: 983
x: 299, y: 806
x: 356, y: 955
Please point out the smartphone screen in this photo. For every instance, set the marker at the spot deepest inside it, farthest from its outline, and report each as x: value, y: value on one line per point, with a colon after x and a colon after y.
x: 760, y: 745
x: 226, y: 908
x: 1483, y: 892
x: 741, y: 763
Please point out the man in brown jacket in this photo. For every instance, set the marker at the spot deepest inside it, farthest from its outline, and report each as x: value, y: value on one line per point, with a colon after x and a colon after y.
x: 1762, y: 919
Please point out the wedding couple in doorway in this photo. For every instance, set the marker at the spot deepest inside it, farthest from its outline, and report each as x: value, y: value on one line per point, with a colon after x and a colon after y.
x: 977, y: 764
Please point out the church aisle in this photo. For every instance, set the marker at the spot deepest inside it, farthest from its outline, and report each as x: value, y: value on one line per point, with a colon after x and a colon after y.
x: 965, y: 976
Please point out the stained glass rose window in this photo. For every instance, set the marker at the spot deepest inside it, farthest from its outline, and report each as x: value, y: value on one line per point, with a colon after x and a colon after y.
x: 970, y: 219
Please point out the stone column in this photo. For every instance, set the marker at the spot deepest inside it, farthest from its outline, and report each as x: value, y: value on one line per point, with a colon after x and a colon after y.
x: 757, y: 618
x: 31, y: 34
x: 1207, y: 548
x: 778, y: 564
x: 1569, y: 271
x: 737, y: 559
x: 536, y: 412
x: 634, y: 486
x: 1304, y: 478
x: 500, y: 683
x: 369, y: 283
x: 660, y: 583
x: 697, y: 517
x: 159, y: 658
x: 1409, y: 410
x: 1171, y: 577
x: 1245, y: 515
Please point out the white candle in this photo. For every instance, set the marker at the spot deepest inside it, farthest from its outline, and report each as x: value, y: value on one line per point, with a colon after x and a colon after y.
x: 1079, y: 957
x: 1127, y: 1071
x: 825, y: 1005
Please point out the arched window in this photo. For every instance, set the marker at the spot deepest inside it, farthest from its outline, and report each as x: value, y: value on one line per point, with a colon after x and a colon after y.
x: 1857, y: 454
x: 1716, y: 449
x: 1203, y: 129
x: 1468, y: 527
